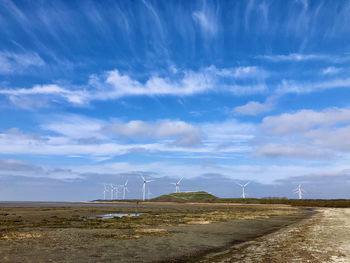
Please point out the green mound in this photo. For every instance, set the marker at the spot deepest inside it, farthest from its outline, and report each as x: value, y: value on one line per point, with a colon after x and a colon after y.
x: 197, y: 196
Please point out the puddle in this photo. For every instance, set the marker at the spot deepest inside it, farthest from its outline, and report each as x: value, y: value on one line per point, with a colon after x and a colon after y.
x: 110, y: 216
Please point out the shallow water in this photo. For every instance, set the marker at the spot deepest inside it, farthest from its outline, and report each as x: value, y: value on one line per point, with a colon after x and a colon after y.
x: 110, y: 216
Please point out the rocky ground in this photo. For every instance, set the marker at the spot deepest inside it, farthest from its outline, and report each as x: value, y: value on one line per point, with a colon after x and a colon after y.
x: 321, y: 238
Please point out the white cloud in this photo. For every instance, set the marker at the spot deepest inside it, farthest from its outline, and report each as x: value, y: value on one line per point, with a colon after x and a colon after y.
x: 240, y: 72
x: 207, y: 19
x: 300, y: 87
x: 76, y: 97
x: 185, y: 134
x: 10, y: 167
x: 13, y: 63
x: 37, y: 89
x: 303, y: 121
x: 333, y: 138
x: 293, y: 57
x: 255, y: 108
x: 114, y: 85
x: 75, y: 126
x: 74, y: 135
x: 331, y: 71
x: 306, y: 133
x: 298, y: 151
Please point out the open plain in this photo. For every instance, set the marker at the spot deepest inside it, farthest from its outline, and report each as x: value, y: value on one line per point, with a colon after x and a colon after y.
x: 160, y: 232
x: 172, y: 232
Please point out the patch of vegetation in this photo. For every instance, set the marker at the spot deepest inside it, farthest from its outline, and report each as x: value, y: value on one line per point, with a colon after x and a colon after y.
x: 204, y: 197
x: 197, y: 196
x: 341, y: 203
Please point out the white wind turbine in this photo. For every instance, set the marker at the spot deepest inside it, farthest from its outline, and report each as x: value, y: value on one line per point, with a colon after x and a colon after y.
x: 144, y: 187
x: 299, y: 191
x: 116, y: 190
x: 112, y: 189
x: 105, y: 190
x: 243, y: 188
x: 125, y: 189
x: 177, y: 185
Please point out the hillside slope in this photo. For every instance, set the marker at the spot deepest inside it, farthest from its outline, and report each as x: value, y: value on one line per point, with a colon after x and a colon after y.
x: 197, y: 196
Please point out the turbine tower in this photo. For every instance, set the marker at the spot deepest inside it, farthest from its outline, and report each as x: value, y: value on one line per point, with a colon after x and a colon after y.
x: 112, y: 188
x: 125, y: 189
x: 144, y: 187
x: 299, y: 191
x: 105, y: 190
x: 116, y: 190
x: 243, y: 189
x: 177, y: 185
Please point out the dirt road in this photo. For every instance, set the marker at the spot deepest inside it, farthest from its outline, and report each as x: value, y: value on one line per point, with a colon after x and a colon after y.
x: 323, y: 238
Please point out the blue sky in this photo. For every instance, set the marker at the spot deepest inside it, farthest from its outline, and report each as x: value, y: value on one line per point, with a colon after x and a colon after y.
x: 218, y: 92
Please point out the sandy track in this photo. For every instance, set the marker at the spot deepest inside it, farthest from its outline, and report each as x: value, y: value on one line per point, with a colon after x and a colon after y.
x: 322, y: 238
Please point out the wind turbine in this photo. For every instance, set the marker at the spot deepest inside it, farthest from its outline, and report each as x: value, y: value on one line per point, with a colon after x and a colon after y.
x: 243, y: 188
x: 112, y: 188
x: 177, y: 185
x: 144, y: 187
x: 125, y: 189
x: 299, y: 191
x: 116, y: 189
x: 105, y: 190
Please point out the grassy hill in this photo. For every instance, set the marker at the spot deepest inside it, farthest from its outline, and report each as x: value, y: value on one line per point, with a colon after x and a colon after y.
x: 197, y: 196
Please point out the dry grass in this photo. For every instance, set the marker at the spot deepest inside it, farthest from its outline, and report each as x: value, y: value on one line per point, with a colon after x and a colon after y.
x: 19, y: 235
x: 152, y: 231
x: 14, y: 219
x: 118, y: 236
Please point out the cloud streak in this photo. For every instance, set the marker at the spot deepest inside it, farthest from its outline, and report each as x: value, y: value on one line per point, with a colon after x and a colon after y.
x: 114, y: 85
x: 17, y: 63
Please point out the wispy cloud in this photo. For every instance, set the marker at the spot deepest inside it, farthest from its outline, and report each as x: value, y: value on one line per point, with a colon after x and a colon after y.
x: 289, y: 86
x: 114, y: 85
x: 207, y: 19
x: 294, y: 57
x: 75, y: 97
x: 17, y: 63
x: 331, y: 71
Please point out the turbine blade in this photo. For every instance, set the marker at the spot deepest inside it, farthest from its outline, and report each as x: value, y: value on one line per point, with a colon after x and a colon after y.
x: 143, y: 178
x: 126, y: 182
x: 246, y: 184
x: 180, y: 180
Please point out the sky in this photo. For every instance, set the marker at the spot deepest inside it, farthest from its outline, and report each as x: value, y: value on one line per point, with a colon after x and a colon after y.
x: 217, y: 92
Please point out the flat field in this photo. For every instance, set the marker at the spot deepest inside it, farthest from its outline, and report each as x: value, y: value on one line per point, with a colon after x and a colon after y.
x: 163, y: 232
